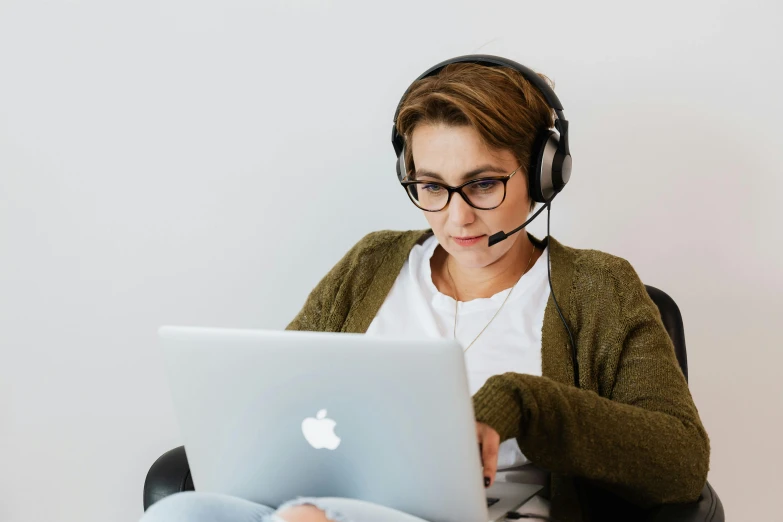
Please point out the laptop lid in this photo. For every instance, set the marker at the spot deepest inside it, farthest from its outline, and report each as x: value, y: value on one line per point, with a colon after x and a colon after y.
x: 271, y: 415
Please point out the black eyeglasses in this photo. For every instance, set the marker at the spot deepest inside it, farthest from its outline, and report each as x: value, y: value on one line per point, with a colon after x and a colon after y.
x: 481, y: 193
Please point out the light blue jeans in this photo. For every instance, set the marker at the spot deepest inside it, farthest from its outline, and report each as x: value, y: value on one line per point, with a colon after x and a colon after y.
x: 195, y: 506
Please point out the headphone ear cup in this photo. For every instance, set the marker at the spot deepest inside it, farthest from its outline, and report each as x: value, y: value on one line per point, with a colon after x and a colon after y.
x: 542, y: 182
x: 398, y: 142
x: 401, y: 168
x: 534, y: 170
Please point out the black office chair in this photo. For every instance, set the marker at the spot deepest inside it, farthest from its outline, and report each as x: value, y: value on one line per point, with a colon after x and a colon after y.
x: 171, y: 473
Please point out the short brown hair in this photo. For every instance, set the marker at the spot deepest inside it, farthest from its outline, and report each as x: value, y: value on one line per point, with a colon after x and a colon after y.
x: 505, y: 108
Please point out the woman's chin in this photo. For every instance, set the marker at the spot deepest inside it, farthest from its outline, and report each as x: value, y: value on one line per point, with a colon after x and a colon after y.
x: 474, y: 259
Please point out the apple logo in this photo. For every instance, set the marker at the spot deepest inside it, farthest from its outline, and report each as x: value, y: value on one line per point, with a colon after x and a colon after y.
x: 319, y: 432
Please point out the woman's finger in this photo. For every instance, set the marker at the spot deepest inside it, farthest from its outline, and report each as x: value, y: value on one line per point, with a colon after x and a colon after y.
x: 489, y: 457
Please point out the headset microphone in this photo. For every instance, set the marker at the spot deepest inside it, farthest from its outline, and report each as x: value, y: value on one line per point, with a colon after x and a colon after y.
x: 500, y: 236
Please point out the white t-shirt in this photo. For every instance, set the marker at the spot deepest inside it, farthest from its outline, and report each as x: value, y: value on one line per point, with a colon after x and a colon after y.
x: 512, y: 343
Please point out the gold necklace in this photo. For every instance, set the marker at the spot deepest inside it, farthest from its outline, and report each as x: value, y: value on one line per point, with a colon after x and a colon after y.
x: 456, y: 300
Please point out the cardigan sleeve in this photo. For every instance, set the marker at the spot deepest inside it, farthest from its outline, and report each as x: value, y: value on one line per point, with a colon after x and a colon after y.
x: 328, y: 304
x: 321, y: 304
x: 643, y: 441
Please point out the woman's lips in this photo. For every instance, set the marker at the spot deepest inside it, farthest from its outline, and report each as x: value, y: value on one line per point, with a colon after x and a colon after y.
x: 467, y: 241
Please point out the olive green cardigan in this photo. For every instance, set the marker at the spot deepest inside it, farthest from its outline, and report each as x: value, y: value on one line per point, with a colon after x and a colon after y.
x: 631, y: 428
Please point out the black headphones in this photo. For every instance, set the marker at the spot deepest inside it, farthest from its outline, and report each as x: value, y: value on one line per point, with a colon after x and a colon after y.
x: 550, y: 161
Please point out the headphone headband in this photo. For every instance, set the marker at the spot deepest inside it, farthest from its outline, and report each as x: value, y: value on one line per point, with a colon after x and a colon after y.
x: 491, y: 61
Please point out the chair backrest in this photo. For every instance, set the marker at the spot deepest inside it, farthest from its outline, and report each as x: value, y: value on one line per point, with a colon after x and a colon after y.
x: 672, y: 320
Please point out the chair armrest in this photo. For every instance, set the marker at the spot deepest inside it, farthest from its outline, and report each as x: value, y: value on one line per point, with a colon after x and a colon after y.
x: 707, y: 509
x: 168, y: 475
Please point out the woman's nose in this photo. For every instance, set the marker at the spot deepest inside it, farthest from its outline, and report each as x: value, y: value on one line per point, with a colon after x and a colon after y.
x: 460, y: 213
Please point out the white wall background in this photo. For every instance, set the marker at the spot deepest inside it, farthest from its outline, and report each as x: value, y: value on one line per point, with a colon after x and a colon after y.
x: 143, y: 147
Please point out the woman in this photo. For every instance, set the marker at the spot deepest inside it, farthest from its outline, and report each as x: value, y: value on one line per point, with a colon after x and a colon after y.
x: 628, y: 436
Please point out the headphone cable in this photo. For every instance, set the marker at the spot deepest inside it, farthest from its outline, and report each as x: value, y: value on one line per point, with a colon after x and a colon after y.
x: 551, y: 288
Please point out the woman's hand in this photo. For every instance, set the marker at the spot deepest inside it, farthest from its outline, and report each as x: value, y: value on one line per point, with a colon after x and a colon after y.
x: 489, y: 443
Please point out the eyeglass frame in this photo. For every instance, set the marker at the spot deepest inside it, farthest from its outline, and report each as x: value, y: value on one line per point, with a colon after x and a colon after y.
x: 451, y: 190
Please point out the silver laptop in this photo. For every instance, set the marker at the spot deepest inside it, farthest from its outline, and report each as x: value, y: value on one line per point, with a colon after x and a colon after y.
x: 272, y: 415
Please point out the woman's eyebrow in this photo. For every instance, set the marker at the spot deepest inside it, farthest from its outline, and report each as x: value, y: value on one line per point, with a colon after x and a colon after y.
x: 466, y: 176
